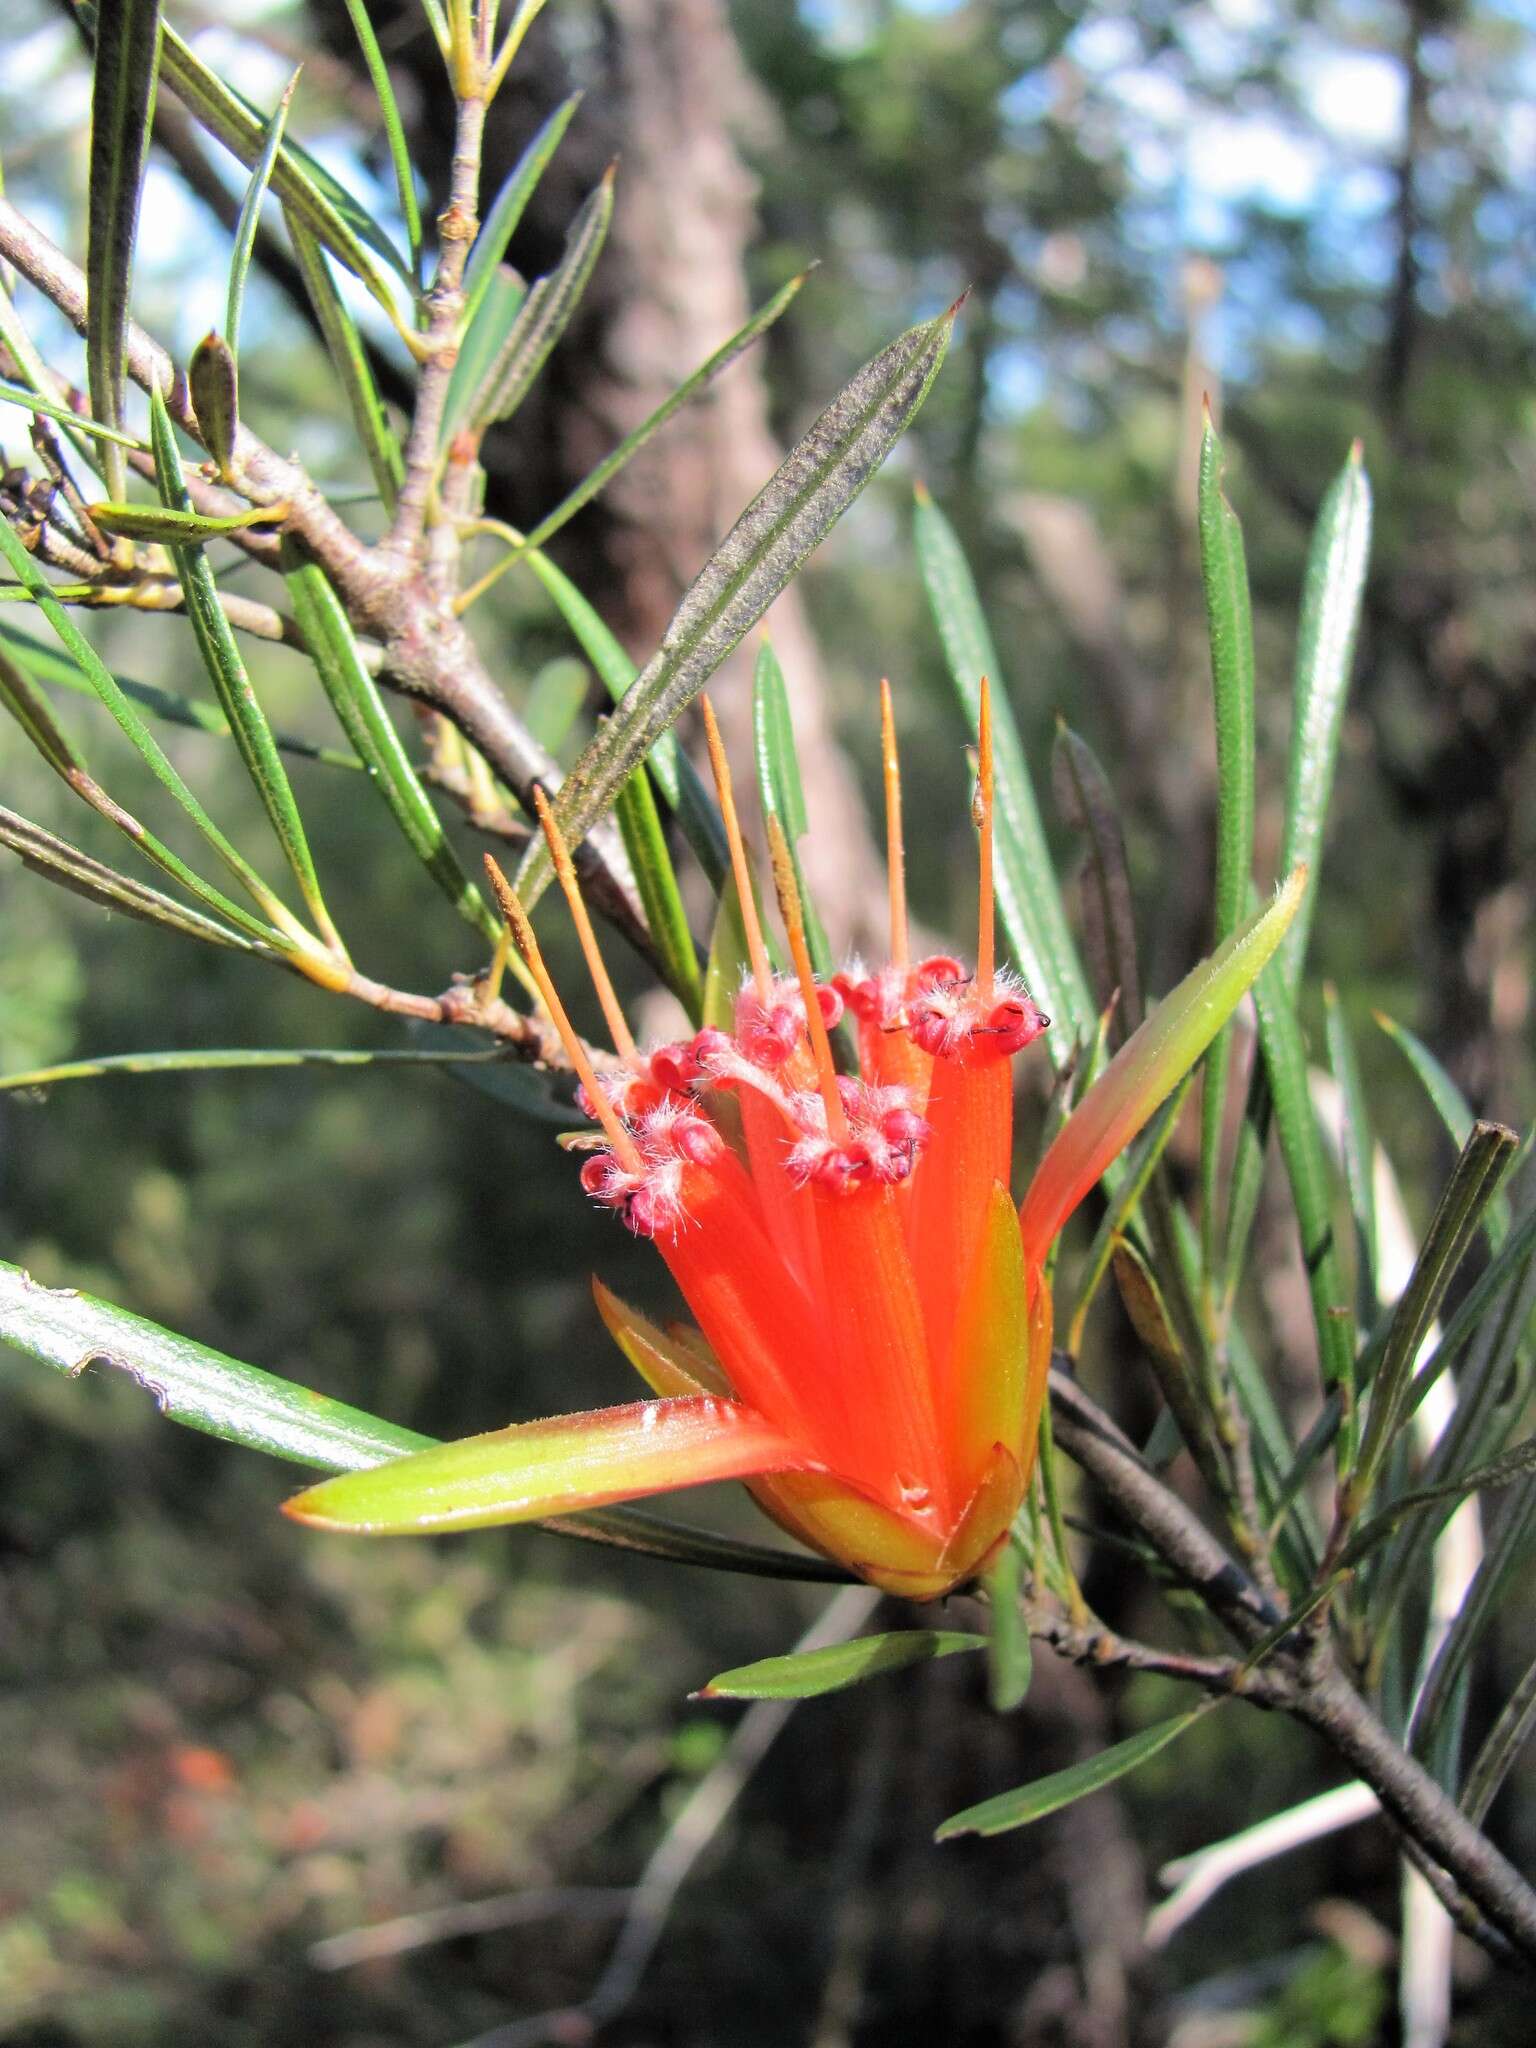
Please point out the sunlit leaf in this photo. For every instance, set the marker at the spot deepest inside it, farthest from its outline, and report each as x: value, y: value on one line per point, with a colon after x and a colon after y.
x: 122, y: 106
x: 823, y: 474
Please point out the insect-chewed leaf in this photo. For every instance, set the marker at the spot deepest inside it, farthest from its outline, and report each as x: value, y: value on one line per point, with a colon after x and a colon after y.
x: 819, y: 480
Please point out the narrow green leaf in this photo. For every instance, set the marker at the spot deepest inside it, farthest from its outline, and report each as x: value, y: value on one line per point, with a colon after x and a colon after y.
x: 1504, y: 1574
x: 232, y: 684
x: 1028, y: 893
x: 1229, y: 622
x: 1325, y: 644
x: 816, y: 484
x: 207, y: 1391
x: 33, y: 401
x: 394, y: 129
x: 1501, y: 1749
x: 690, y: 802
x: 57, y: 861
x: 1359, y: 1145
x: 690, y: 388
x: 66, y: 763
x: 483, y: 348
x: 1301, y: 1145
x: 1516, y: 1463
x: 510, y: 204
x: 555, y: 699
x: 545, y: 314
x: 1477, y: 1173
x: 1028, y: 1803
x: 170, y: 526
x: 1325, y: 650
x: 1140, y: 1164
x: 122, y: 106
x: 1449, y: 1104
x: 349, y: 359
x: 1010, y: 1660
x: 727, y: 962
x: 241, y: 1058
x: 356, y: 701
x: 810, y: 1673
x: 779, y: 788
x: 645, y: 843
x: 1087, y: 803
x: 250, y: 215
x: 304, y: 185
x: 47, y: 665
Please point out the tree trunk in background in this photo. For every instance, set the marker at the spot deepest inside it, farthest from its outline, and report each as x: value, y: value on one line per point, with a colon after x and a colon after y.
x: 684, y: 223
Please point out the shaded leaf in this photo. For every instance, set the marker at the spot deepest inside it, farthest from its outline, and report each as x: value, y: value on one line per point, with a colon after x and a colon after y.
x: 123, y: 77
x: 1087, y: 803
x: 357, y: 703
x: 221, y: 659
x: 819, y: 480
x: 1048, y: 1795
x: 779, y: 788
x: 808, y: 1674
x: 57, y: 861
x: 519, y: 186
x: 349, y: 359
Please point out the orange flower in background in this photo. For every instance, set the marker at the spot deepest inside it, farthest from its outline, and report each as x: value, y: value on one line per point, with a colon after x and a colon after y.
x: 873, y: 1316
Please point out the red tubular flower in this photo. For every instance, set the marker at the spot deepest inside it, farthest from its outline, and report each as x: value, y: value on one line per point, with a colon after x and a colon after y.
x: 873, y: 1320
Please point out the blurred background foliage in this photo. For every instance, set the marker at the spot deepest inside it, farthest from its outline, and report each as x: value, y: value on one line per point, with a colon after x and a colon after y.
x: 222, y: 1740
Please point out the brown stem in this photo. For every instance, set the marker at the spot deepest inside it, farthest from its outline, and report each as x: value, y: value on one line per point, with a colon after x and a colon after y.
x: 456, y: 228
x: 427, y: 654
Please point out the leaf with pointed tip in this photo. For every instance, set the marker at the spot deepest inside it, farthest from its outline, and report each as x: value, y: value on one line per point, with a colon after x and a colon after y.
x: 645, y: 843
x: 394, y: 128
x: 820, y: 479
x: 47, y: 665
x: 169, y: 526
x: 690, y: 388
x: 558, y: 1465
x: 779, y: 789
x: 57, y: 861
x: 509, y: 206
x: 226, y: 670
x: 543, y: 317
x: 250, y: 214
x: 1028, y: 893
x: 1449, y: 1104
x: 123, y: 77
x: 1332, y: 596
x: 1146, y: 1069
x: 349, y: 359
x: 807, y: 1674
x: 303, y: 184
x: 52, y: 409
x: 356, y: 701
x: 1229, y: 624
x: 27, y: 705
x: 241, y: 1058
x: 677, y: 779
x: 1028, y: 1803
x: 1087, y: 803
x: 1484, y: 1159
x: 207, y: 1391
